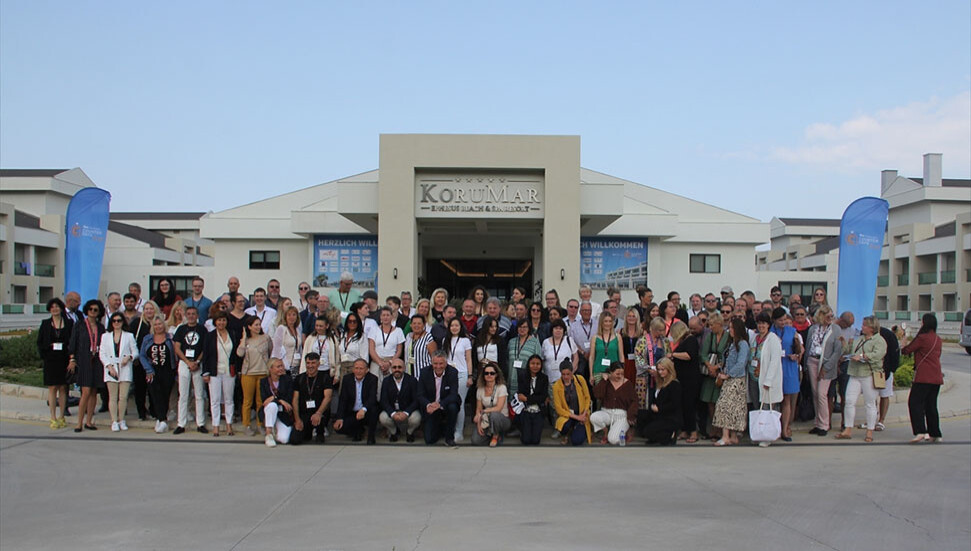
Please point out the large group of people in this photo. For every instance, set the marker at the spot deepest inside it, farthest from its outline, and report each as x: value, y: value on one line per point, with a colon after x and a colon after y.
x: 442, y: 368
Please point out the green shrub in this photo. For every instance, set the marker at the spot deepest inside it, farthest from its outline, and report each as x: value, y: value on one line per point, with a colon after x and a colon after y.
x: 904, y: 376
x: 20, y: 352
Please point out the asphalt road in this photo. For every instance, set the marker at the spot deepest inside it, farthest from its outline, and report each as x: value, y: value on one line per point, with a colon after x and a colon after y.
x: 101, y: 490
x: 956, y: 359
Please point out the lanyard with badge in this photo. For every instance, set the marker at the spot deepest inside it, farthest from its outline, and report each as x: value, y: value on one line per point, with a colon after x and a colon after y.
x: 311, y: 385
x: 518, y: 363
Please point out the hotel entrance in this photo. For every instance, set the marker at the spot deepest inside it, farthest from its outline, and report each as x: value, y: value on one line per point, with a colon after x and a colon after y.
x: 459, y: 276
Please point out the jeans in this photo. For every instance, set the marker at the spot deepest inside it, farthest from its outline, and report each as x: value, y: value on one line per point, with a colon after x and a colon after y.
x: 221, y: 389
x: 189, y: 381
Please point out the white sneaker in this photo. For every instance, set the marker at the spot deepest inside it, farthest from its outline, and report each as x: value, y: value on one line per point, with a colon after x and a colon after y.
x: 326, y: 432
x: 165, y: 427
x: 459, y: 438
x: 764, y: 444
x: 158, y: 427
x: 122, y: 425
x: 270, y: 442
x: 115, y: 427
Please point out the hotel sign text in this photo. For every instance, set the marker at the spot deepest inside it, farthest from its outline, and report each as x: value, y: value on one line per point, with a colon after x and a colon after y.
x: 479, y: 196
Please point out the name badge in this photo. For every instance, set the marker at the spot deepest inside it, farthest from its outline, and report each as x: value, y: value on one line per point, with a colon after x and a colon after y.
x: 345, y: 357
x: 311, y: 404
x: 630, y: 356
x: 605, y: 362
x: 57, y: 346
x: 755, y: 363
x: 518, y: 364
x: 652, y: 368
x: 396, y: 408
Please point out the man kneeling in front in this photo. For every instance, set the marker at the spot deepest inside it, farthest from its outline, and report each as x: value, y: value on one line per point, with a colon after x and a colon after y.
x: 438, y: 398
x: 399, y: 403
x: 357, y: 407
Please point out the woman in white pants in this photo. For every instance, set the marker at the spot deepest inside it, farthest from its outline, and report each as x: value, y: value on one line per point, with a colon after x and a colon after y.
x: 619, y: 405
x: 276, y: 391
x: 458, y: 349
x: 866, y: 358
x: 117, y: 350
x: 219, y: 371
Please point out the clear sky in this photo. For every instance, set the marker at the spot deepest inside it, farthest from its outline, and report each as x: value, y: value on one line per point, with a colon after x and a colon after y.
x: 768, y: 109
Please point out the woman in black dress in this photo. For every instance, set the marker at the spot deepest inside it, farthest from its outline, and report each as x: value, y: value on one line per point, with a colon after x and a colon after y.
x: 53, y: 339
x: 86, y: 363
x: 664, y: 416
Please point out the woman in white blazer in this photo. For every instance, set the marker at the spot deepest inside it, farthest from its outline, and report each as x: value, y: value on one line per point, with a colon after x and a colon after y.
x: 767, y: 360
x: 117, y: 351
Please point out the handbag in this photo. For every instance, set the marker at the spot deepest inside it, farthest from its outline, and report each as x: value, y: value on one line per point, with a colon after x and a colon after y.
x: 879, y: 380
x: 765, y: 425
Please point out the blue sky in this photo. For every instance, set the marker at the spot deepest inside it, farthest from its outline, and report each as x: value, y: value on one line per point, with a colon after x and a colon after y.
x: 782, y: 109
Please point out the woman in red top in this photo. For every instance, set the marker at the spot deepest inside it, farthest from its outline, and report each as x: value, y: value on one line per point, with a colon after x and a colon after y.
x: 926, y: 348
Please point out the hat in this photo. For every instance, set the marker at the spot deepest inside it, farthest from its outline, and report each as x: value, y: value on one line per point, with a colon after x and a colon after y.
x: 726, y: 290
x: 370, y: 294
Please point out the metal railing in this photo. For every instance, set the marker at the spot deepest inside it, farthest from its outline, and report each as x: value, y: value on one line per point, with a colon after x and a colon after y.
x: 948, y: 276
x: 903, y: 279
x: 44, y: 270
x: 883, y: 281
x: 926, y: 278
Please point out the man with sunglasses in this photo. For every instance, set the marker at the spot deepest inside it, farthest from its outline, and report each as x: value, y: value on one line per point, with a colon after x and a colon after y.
x: 776, y: 296
x: 399, y: 403
x: 273, y: 294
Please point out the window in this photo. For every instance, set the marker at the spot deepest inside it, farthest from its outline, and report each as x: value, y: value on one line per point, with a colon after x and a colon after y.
x: 264, y: 260
x: 804, y: 289
x: 705, y: 263
x: 182, y: 284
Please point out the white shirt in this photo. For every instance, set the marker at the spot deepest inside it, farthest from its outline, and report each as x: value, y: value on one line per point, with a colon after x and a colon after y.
x: 267, y: 318
x: 386, y: 344
x: 553, y: 356
x: 456, y: 355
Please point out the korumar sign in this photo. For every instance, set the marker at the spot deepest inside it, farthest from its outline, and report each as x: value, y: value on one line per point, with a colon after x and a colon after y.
x: 613, y: 262
x: 84, y: 247
x: 335, y: 254
x: 862, y: 230
x: 506, y: 196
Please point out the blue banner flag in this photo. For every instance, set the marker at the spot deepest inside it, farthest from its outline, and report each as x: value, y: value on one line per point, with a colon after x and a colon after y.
x: 862, y: 230
x: 84, y: 249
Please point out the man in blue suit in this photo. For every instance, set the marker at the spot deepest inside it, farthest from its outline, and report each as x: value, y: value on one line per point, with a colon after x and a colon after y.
x: 438, y: 399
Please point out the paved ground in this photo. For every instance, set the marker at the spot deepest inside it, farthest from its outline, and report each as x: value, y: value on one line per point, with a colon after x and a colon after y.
x: 137, y: 491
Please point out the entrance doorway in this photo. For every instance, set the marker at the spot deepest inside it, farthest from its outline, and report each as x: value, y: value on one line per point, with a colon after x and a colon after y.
x: 459, y: 276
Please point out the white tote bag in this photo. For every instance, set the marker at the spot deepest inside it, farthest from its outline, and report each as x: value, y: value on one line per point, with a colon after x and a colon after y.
x: 765, y: 425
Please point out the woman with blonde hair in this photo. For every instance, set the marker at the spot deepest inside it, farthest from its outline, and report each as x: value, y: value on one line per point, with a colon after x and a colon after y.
x: 866, y: 358
x: 605, y: 347
x: 664, y: 415
x: 630, y: 333
x: 684, y: 352
x: 439, y: 300
x: 288, y: 338
x: 176, y: 317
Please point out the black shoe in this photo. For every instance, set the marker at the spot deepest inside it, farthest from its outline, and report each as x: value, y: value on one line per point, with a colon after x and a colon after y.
x: 393, y: 438
x: 815, y: 430
x: 104, y: 409
x: 786, y: 439
x: 203, y: 429
x: 178, y: 430
x: 90, y: 427
x: 77, y: 429
x: 410, y: 438
x: 450, y: 442
x: 357, y: 438
x: 822, y: 432
x: 67, y: 412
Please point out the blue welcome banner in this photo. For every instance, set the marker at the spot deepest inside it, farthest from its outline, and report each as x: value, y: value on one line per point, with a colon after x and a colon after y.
x: 84, y: 250
x: 862, y: 230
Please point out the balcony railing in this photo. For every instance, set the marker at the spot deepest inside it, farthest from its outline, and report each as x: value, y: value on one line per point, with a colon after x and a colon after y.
x: 903, y: 279
x: 926, y: 278
x: 953, y: 316
x: 44, y: 270
x: 947, y: 276
x: 12, y: 309
x: 21, y: 268
x: 901, y: 316
x: 882, y: 315
x: 883, y: 281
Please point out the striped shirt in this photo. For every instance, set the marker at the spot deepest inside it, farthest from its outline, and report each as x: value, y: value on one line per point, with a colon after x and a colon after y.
x: 416, y: 353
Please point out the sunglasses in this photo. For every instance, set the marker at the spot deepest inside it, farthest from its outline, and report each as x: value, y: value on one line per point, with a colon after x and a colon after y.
x: 117, y: 320
x: 487, y: 373
x: 726, y: 311
x: 304, y: 288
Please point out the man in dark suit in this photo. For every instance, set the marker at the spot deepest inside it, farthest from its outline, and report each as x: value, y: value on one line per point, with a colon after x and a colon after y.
x: 358, y: 403
x: 438, y: 399
x: 399, y: 403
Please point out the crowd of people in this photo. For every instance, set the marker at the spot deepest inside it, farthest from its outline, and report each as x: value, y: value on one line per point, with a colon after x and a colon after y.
x: 581, y: 371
